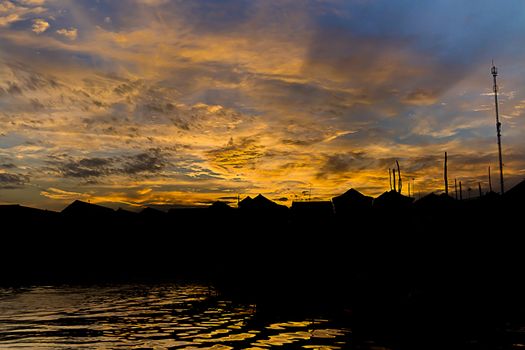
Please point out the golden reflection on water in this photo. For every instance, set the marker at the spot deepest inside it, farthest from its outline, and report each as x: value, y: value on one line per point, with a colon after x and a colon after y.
x: 156, y: 317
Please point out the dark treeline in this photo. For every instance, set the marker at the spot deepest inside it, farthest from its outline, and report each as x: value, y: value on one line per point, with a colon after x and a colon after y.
x: 404, y: 270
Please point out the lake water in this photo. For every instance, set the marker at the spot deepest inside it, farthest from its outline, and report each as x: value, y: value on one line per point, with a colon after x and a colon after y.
x: 143, y: 317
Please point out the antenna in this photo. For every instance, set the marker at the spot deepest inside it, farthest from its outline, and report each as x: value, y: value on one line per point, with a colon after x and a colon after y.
x: 494, y: 72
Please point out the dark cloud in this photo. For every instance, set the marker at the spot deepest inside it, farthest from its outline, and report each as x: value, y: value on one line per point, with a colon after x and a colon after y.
x: 210, y: 16
x: 27, y: 79
x: 150, y: 162
x: 87, y: 167
x: 14, y: 89
x: 12, y: 181
x: 237, y: 154
x: 7, y: 165
x: 128, y: 88
x: 345, y: 163
x: 228, y: 198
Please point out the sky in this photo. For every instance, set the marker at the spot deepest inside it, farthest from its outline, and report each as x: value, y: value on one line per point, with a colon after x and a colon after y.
x: 131, y: 103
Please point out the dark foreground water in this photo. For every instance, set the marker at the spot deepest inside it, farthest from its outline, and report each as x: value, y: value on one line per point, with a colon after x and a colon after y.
x: 157, y: 317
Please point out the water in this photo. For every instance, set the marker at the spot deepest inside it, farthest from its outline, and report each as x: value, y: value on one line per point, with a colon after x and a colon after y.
x: 149, y: 317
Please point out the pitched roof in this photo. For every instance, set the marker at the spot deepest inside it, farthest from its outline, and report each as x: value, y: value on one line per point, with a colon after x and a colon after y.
x: 352, y: 199
x: 260, y: 202
x: 392, y: 199
x: 83, y: 208
x: 516, y: 191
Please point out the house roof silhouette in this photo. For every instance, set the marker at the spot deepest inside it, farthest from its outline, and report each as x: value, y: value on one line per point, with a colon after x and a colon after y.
x: 392, y: 200
x: 78, y: 208
x: 352, y: 200
x: 260, y: 203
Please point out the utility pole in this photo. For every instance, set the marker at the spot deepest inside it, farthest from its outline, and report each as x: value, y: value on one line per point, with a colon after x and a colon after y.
x: 490, y: 181
x: 394, y: 177
x: 494, y: 72
x: 479, y: 188
x: 399, y: 175
x: 445, y: 174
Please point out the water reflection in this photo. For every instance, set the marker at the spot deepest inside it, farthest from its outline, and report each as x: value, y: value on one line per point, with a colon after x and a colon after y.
x: 158, y: 317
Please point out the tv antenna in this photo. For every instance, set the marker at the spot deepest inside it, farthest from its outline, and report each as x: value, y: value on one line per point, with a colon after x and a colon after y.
x: 494, y: 72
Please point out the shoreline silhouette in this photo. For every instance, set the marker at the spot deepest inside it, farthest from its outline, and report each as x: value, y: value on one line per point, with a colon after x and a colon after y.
x: 392, y: 265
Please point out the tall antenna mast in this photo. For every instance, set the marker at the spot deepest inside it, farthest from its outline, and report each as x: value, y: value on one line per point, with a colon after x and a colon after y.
x: 494, y: 72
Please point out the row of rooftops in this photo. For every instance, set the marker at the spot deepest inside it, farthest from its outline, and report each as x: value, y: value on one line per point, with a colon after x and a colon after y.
x: 351, y: 200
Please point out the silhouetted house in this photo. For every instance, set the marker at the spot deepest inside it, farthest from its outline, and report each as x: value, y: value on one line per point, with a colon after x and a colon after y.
x: 262, y: 209
x: 516, y: 193
x: 125, y: 214
x: 85, y: 210
x: 260, y: 203
x: 351, y: 202
x: 304, y: 212
x: 433, y: 202
x: 245, y: 203
x: 483, y: 205
x: 190, y: 217
x: 514, y: 199
x: 19, y: 216
x: 152, y: 214
x: 392, y: 200
x: 220, y: 206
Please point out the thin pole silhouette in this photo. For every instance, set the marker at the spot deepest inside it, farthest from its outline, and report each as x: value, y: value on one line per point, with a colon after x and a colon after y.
x: 479, y: 188
x: 445, y: 174
x: 399, y: 175
x: 490, y: 181
x: 494, y: 72
x: 394, y: 178
x: 456, y: 188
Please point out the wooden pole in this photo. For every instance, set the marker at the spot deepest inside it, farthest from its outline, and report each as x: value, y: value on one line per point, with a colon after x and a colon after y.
x: 479, y: 188
x: 399, y: 174
x: 394, y: 177
x: 490, y: 181
x: 446, y: 175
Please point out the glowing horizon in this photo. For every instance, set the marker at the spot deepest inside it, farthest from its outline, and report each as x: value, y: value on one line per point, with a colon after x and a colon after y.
x: 157, y: 102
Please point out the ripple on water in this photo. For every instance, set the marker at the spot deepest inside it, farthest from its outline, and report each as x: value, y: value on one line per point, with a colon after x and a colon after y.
x: 142, y: 317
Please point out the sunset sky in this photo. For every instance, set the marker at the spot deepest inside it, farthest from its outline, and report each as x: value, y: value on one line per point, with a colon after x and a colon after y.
x: 141, y: 102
